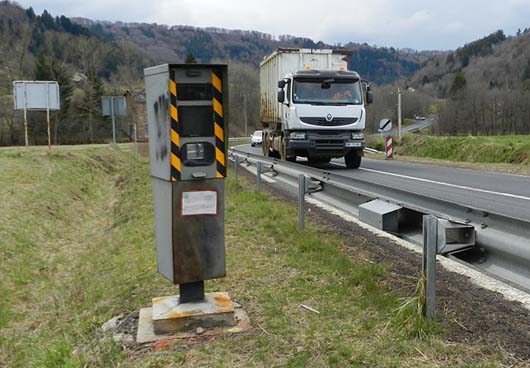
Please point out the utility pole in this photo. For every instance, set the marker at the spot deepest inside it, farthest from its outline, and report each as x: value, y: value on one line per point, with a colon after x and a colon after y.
x: 399, y: 115
x: 245, y: 111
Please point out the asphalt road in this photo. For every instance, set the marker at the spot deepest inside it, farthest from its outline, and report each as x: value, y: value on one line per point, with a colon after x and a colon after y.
x: 417, y: 126
x: 502, y: 193
x: 413, y: 128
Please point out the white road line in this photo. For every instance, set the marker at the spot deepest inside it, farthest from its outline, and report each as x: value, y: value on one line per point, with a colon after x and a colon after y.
x: 446, y: 184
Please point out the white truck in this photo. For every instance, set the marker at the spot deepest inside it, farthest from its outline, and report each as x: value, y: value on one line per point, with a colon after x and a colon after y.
x: 312, y: 106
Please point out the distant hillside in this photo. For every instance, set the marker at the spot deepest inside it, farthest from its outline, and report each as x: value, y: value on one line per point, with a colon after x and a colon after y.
x: 495, y: 61
x: 164, y: 43
x: 92, y: 58
x: 485, y: 85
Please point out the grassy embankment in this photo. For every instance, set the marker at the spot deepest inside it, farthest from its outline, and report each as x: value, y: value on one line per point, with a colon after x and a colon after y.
x: 76, y: 243
x: 510, y: 149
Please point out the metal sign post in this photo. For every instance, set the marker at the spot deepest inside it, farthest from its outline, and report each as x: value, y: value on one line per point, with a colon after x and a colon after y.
x: 430, y: 245
x: 113, y: 120
x: 399, y: 114
x: 301, y: 201
x: 37, y: 96
x: 25, y: 119
x: 385, y: 128
x: 259, y: 165
x: 48, y: 120
x: 114, y: 106
x: 389, y: 147
x: 135, y: 133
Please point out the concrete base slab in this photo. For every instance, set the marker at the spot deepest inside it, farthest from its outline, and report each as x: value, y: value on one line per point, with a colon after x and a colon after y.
x: 146, y: 333
x: 217, y: 310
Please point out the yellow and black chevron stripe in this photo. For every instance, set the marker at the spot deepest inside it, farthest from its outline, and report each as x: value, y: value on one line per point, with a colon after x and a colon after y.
x: 176, y: 165
x: 219, y: 125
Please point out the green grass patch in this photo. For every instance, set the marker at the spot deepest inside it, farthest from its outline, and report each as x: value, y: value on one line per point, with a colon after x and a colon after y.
x: 482, y: 149
x: 77, y: 248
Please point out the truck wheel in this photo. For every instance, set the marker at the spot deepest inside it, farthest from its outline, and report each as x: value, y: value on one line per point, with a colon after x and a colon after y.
x: 265, y: 145
x: 283, y: 150
x: 353, y: 159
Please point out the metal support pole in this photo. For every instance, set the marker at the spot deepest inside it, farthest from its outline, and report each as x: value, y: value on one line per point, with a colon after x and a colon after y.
x: 49, y: 134
x: 26, y: 117
x: 26, y: 127
x: 301, y: 201
x: 113, y: 121
x: 236, y: 166
x: 430, y: 240
x: 399, y: 114
x: 258, y: 175
x: 48, y: 118
x: 192, y: 292
x: 135, y: 139
x: 246, y: 119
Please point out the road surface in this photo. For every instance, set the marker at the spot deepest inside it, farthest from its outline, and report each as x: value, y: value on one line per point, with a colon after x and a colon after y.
x: 505, y: 194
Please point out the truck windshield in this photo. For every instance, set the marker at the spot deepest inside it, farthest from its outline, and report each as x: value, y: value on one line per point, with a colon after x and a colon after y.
x: 327, y: 92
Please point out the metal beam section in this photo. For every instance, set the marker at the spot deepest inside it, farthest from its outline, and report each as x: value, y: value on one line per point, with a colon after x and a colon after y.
x: 453, y: 236
x: 381, y: 215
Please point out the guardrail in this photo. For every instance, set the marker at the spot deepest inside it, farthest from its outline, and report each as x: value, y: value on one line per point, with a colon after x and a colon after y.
x: 502, y: 242
x: 235, y: 139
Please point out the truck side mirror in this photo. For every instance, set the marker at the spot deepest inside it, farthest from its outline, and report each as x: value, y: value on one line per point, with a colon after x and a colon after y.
x: 281, y: 84
x: 369, y: 97
x: 281, y: 96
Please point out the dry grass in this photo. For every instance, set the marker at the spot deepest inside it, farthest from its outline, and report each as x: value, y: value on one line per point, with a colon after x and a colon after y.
x: 77, y: 248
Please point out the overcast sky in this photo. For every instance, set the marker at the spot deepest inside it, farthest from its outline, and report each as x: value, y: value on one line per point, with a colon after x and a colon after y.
x: 418, y: 24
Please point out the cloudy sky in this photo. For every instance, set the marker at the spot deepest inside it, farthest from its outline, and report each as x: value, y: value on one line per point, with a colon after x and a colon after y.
x: 419, y: 24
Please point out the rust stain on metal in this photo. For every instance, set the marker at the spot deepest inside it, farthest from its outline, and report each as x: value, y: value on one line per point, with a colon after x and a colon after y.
x: 222, y: 301
x: 173, y: 314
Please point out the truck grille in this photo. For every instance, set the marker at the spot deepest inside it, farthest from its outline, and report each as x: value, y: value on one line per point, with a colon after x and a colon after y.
x: 333, y: 144
x: 319, y: 121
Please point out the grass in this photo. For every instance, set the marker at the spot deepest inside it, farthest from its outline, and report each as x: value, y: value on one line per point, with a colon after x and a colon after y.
x: 76, y: 243
x: 483, y: 149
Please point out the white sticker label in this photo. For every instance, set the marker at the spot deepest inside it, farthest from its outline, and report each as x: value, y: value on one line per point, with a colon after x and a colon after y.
x: 199, y: 203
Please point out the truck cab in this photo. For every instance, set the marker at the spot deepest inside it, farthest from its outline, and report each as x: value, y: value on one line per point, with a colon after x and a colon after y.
x: 312, y: 106
x: 323, y: 114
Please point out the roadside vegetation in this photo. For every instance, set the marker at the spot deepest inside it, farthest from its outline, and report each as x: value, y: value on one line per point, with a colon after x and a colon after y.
x: 511, y: 149
x: 77, y: 248
x: 506, y: 149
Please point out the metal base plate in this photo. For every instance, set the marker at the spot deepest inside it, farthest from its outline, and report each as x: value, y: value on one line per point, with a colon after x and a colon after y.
x: 146, y: 330
x: 217, y: 310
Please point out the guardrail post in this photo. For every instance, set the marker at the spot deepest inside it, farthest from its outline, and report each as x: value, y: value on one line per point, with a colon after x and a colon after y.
x: 236, y: 165
x: 258, y: 175
x: 430, y: 240
x: 301, y: 201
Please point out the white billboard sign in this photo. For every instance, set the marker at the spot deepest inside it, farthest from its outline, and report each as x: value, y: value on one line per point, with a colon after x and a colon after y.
x: 36, y: 95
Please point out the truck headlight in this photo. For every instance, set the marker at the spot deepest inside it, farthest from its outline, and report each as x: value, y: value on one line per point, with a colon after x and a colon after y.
x: 357, y: 136
x: 296, y: 135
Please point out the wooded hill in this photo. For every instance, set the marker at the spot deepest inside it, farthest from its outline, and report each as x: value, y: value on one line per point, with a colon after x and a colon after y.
x: 172, y: 43
x: 485, y: 85
x: 91, y: 58
x: 480, y: 88
x: 44, y: 47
